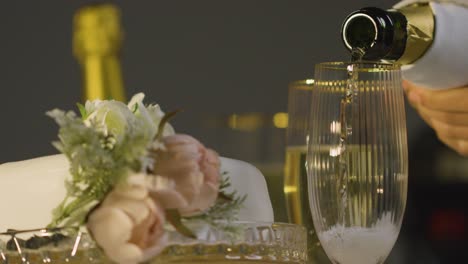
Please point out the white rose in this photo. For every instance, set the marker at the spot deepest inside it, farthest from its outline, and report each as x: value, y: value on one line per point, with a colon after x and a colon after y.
x: 109, y: 117
x: 113, y: 117
x: 151, y: 115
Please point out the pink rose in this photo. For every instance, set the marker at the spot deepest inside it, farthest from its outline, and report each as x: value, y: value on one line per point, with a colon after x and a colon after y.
x: 193, y: 171
x: 128, y: 224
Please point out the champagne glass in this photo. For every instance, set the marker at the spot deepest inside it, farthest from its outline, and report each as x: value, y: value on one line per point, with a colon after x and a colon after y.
x: 295, y: 173
x: 357, y: 160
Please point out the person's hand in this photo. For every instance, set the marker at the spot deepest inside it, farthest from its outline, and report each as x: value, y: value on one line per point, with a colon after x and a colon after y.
x: 446, y: 111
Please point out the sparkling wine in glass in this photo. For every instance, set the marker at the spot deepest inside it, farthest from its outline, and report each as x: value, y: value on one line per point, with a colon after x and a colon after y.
x: 357, y: 160
x: 295, y: 172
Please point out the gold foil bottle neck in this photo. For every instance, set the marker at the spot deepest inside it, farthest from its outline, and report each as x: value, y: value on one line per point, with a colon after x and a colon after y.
x: 97, y: 40
x: 420, y: 31
x: 97, y: 30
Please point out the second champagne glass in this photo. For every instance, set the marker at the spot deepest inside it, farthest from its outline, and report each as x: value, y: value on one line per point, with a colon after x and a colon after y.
x: 295, y: 172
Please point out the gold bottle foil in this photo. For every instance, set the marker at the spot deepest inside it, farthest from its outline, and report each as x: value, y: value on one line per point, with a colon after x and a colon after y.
x: 421, y: 31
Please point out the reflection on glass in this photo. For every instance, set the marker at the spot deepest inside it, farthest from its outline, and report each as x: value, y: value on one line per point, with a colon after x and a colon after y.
x: 357, y: 160
x: 295, y: 175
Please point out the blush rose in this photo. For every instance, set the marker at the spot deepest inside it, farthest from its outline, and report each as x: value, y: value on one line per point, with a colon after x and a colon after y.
x: 192, y: 171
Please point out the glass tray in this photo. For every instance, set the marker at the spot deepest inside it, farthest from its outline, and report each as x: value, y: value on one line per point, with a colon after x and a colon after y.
x: 253, y: 242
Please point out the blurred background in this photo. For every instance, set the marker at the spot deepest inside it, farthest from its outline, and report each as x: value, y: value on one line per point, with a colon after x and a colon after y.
x: 227, y: 64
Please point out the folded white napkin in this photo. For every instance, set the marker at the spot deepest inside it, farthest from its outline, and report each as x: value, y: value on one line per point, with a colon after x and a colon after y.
x: 31, y: 189
x: 248, y: 180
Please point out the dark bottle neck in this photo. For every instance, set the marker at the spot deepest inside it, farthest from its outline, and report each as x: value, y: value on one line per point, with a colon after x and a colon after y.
x: 381, y: 34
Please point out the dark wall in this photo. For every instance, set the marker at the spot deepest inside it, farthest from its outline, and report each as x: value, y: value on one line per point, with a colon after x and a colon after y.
x: 211, y: 58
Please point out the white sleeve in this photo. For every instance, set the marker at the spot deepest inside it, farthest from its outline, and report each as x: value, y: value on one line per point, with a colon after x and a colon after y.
x: 445, y: 64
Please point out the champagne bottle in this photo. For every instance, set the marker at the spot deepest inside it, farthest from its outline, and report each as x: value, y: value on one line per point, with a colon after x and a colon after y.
x: 402, y: 35
x: 428, y: 39
x: 97, y: 39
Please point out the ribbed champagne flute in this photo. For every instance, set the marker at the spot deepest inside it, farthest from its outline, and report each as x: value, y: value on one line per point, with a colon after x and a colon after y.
x: 357, y: 160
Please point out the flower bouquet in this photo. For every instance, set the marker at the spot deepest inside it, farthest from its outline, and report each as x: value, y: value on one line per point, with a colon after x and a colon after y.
x: 140, y: 192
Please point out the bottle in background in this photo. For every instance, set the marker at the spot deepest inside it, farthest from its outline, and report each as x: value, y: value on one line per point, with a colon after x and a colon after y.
x: 97, y: 39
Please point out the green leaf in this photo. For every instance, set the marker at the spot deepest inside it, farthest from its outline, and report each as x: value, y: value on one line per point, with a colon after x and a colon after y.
x: 223, y: 196
x: 163, y: 122
x: 83, y: 112
x: 225, y: 182
x: 135, y: 108
x: 175, y: 219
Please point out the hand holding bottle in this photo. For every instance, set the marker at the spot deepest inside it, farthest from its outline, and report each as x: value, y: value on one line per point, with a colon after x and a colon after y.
x: 446, y: 111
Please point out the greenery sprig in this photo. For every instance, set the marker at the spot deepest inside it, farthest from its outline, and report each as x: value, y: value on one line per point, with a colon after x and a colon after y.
x: 97, y: 162
x: 226, y: 209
